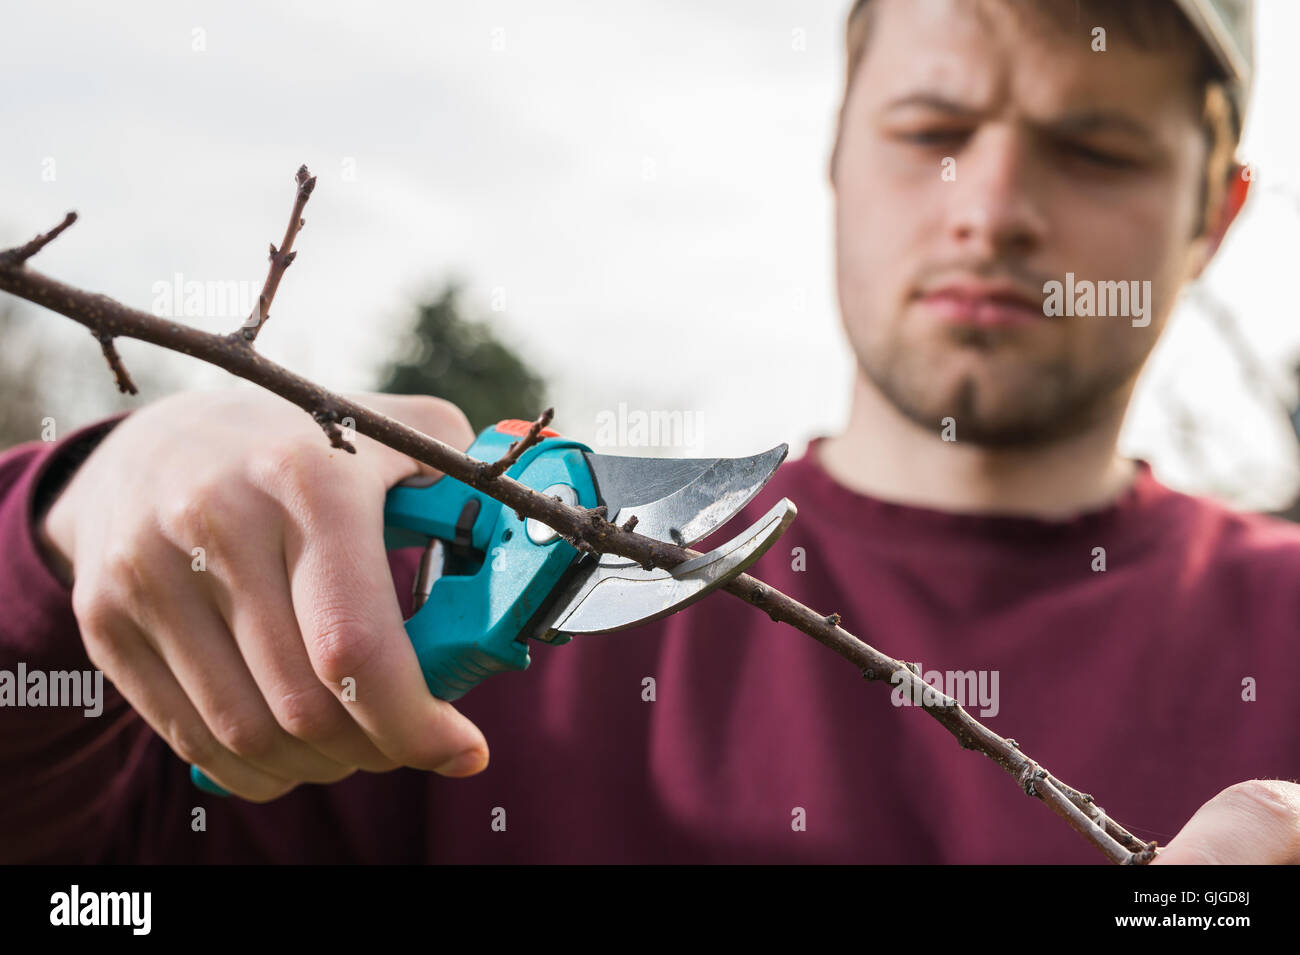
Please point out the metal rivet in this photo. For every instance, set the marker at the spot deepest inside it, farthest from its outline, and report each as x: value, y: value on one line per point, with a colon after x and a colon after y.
x: 540, y: 533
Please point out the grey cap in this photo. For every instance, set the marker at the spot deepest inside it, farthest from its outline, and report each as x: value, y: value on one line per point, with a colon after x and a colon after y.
x: 1228, y: 29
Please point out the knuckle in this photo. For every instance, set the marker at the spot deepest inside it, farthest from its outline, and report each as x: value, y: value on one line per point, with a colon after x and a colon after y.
x: 1274, y: 799
x: 342, y: 646
x: 291, y: 473
x: 194, y: 516
x: 251, y: 738
x: 192, y: 744
x: 95, y: 609
x: 98, y: 619
x: 125, y: 578
x: 309, y: 714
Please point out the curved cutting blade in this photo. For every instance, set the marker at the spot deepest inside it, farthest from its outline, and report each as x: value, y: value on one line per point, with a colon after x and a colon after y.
x: 679, y: 500
x: 617, y: 597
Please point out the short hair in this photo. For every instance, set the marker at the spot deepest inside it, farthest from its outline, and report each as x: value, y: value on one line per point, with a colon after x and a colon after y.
x: 1149, y: 25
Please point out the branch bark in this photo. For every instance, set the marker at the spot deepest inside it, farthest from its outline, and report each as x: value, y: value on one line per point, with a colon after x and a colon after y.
x: 589, y: 530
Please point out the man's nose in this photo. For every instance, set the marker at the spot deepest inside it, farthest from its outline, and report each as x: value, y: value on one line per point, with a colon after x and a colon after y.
x: 996, y: 208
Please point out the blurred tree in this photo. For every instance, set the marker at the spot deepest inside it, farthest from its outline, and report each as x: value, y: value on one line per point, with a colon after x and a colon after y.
x: 459, y: 358
x: 20, y: 372
x: 51, y: 368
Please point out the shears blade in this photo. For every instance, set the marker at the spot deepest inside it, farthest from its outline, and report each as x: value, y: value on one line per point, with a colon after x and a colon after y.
x: 609, y: 597
x: 679, y: 500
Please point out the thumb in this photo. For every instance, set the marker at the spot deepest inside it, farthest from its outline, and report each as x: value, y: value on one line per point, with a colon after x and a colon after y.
x: 1251, y: 823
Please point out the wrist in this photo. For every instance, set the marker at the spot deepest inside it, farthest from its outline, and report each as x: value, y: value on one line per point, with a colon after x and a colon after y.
x: 52, y: 524
x: 55, y: 547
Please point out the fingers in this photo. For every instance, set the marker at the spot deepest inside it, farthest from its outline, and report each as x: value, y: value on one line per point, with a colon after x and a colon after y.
x: 116, y: 646
x: 347, y: 611
x: 254, y: 600
x: 1252, y: 823
x: 240, y: 668
x: 182, y: 626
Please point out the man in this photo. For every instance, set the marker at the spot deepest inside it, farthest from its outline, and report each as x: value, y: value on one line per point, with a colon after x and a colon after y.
x: 974, y: 516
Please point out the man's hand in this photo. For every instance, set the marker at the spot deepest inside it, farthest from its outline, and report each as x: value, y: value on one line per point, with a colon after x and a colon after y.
x: 236, y: 655
x: 1252, y: 823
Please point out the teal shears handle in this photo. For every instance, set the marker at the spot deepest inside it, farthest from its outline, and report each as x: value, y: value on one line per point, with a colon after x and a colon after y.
x: 495, y: 575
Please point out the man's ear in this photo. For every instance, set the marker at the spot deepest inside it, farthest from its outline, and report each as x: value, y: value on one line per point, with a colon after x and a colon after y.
x: 1234, y: 197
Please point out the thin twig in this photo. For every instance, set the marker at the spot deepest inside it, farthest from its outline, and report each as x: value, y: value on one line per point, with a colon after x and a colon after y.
x: 120, y: 374
x: 530, y: 438
x: 586, y: 530
x: 17, y: 258
x: 281, y: 259
x: 12, y: 258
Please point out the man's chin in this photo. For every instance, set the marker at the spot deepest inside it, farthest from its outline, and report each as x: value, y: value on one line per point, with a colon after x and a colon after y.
x: 993, y: 412
x: 963, y: 419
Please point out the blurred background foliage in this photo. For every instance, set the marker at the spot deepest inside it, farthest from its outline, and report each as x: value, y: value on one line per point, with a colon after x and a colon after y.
x: 455, y: 356
x: 51, y: 367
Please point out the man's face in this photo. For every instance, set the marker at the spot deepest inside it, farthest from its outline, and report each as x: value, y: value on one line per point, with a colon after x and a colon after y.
x: 1063, y: 160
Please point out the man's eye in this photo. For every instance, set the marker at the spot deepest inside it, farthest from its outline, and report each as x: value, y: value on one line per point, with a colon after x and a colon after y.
x: 1098, y: 157
x: 932, y: 137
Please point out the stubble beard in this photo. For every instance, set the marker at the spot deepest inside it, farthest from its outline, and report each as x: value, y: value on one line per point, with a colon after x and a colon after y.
x: 1054, y: 404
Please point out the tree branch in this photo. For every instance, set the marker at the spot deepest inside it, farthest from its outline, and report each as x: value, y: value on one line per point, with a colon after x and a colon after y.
x: 587, y: 529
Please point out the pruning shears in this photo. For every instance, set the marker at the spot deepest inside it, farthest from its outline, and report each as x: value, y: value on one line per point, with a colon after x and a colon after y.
x: 489, y: 581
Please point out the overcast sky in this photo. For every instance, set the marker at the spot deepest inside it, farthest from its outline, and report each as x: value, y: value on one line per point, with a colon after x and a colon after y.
x: 639, y: 185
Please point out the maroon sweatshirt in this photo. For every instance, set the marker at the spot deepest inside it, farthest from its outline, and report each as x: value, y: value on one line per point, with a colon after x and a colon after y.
x: 1152, y: 683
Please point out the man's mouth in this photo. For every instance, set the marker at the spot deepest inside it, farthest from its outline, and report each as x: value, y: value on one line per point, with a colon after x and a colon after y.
x: 985, y: 304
